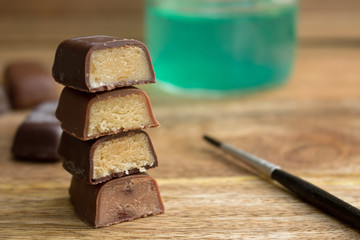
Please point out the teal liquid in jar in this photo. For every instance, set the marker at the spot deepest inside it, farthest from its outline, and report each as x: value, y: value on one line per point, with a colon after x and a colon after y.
x: 221, y: 45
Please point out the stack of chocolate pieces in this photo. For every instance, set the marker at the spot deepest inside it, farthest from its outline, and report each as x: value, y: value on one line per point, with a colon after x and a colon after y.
x: 102, y: 115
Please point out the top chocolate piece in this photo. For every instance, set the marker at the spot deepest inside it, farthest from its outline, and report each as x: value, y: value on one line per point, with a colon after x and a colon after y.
x: 102, y: 63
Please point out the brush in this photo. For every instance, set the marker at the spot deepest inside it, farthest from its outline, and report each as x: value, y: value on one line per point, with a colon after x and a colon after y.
x: 301, y: 188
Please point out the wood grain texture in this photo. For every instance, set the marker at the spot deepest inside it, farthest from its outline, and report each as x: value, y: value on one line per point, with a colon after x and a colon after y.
x: 310, y: 127
x: 198, y: 208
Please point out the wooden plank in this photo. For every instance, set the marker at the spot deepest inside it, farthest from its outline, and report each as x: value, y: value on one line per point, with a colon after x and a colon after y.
x: 200, y: 208
x: 310, y: 127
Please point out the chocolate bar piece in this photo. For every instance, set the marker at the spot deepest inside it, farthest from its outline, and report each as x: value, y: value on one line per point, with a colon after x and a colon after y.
x: 98, y: 63
x: 89, y: 115
x: 4, y: 103
x: 38, y: 137
x: 28, y: 84
x: 99, y: 160
x: 115, y: 201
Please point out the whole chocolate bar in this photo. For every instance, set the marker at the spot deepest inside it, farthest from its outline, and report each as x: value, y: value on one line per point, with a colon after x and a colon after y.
x: 99, y: 160
x: 28, y: 84
x: 4, y: 103
x: 98, y: 63
x: 38, y: 137
x: 115, y: 201
x: 89, y: 115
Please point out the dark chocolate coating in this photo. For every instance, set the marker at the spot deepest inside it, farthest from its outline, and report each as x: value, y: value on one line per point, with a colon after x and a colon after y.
x: 77, y: 156
x: 37, y: 139
x: 74, y: 107
x: 115, y: 201
x: 4, y: 103
x: 72, y: 61
x: 28, y: 84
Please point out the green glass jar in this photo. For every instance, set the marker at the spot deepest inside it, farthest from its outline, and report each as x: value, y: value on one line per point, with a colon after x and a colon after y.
x: 221, y: 45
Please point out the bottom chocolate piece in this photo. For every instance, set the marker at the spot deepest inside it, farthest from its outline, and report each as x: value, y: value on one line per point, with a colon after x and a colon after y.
x: 38, y: 137
x: 4, y: 103
x: 115, y: 201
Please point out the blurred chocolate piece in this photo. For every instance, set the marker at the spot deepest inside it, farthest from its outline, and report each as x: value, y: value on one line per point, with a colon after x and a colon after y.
x: 28, y: 84
x: 99, y: 160
x: 89, y: 115
x: 115, y: 201
x: 4, y: 103
x: 37, y: 139
x: 98, y: 63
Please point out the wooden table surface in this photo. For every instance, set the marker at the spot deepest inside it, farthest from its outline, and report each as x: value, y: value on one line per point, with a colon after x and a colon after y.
x: 310, y: 127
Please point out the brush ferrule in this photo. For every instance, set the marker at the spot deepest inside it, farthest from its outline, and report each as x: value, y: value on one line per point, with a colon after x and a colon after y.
x: 262, y: 166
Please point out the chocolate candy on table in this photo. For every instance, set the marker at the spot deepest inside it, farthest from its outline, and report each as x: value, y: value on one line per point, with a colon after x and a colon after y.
x: 115, y: 201
x: 28, y: 84
x: 90, y: 115
x: 99, y: 160
x: 98, y: 63
x: 38, y: 137
x: 4, y: 103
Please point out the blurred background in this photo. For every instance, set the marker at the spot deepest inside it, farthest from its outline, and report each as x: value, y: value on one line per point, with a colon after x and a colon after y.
x: 33, y: 29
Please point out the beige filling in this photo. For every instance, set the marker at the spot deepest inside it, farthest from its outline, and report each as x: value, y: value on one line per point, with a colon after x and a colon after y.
x: 111, y: 115
x: 117, y: 65
x: 121, y: 155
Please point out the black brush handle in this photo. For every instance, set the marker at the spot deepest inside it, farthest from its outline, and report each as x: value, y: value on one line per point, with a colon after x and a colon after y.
x: 318, y: 197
